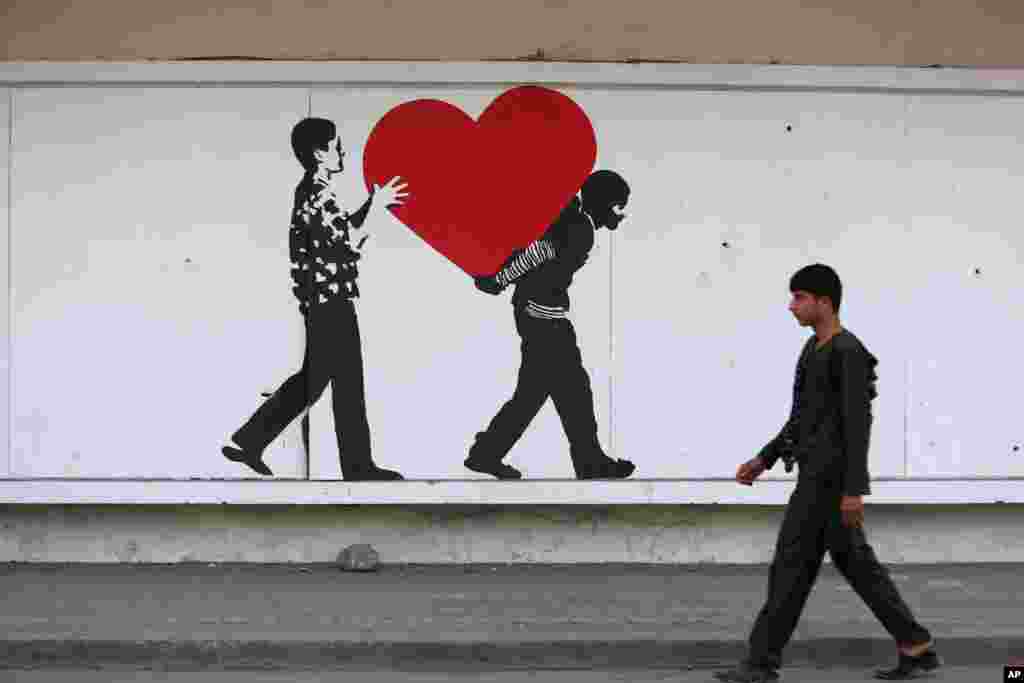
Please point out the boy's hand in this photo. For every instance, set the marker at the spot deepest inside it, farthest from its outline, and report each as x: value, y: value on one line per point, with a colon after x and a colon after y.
x: 390, y: 194
x: 852, y: 508
x: 488, y: 284
x: 749, y: 471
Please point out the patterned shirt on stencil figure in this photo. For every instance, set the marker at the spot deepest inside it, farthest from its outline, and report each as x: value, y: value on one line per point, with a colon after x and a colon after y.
x: 323, y: 245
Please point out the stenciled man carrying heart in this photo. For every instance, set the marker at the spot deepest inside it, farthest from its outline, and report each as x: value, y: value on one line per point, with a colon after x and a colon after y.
x: 551, y: 361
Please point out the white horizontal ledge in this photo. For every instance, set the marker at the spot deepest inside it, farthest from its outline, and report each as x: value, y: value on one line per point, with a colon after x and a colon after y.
x: 685, y: 76
x: 533, y: 492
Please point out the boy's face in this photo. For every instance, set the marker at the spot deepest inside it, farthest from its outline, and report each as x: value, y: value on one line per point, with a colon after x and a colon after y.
x: 331, y: 159
x: 809, y: 309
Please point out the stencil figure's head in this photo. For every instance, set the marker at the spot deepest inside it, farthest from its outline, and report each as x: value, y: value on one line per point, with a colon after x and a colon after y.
x: 604, y: 196
x: 317, y: 146
x: 817, y: 293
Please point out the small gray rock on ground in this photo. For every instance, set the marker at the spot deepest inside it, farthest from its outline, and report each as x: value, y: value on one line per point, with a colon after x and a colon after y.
x: 360, y: 557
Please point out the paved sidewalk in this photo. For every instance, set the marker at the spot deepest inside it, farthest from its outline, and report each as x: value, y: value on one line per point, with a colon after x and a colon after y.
x: 428, y: 617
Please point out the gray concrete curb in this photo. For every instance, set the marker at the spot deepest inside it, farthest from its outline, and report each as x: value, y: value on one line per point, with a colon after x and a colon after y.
x: 456, y: 656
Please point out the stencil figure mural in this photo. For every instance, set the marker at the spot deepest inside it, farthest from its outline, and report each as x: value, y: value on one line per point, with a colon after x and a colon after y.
x: 552, y: 365
x: 325, y: 243
x: 537, y: 249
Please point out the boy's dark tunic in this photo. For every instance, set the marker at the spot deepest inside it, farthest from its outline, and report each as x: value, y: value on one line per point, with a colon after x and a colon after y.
x: 829, y: 427
x: 829, y: 433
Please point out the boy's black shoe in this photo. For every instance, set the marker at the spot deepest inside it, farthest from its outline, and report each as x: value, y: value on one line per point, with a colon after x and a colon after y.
x: 495, y: 468
x: 908, y: 666
x: 609, y: 469
x: 747, y: 673
x: 253, y: 460
x: 371, y: 473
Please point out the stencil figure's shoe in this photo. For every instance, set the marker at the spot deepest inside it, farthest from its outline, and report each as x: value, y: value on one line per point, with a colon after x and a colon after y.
x: 371, y: 473
x: 482, y: 459
x: 747, y: 673
x: 609, y: 469
x: 909, y: 667
x: 253, y: 460
x: 495, y: 468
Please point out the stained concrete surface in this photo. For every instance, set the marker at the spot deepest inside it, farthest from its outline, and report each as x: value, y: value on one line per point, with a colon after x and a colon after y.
x: 457, y: 534
x: 730, y: 31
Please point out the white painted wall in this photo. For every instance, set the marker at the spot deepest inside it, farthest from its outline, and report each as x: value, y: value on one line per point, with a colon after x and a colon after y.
x: 965, y: 154
x: 6, y: 95
x: 131, y: 362
x: 150, y: 284
x: 705, y: 347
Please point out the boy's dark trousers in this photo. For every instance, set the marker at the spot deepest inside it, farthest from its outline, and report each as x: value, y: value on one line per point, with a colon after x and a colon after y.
x: 333, y: 354
x: 812, y: 523
x: 551, y: 366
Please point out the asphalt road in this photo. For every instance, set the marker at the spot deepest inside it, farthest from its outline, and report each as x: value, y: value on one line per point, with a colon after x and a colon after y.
x: 976, y: 674
x: 416, y: 623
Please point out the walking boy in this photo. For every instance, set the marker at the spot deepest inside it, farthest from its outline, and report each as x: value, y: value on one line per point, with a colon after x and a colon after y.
x: 828, y: 434
x: 325, y: 242
x: 551, y: 361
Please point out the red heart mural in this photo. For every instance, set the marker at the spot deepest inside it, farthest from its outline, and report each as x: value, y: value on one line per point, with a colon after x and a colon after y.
x: 480, y: 189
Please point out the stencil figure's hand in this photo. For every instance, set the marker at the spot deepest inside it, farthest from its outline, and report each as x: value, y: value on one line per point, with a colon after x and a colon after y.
x: 487, y: 284
x: 390, y: 193
x: 749, y: 471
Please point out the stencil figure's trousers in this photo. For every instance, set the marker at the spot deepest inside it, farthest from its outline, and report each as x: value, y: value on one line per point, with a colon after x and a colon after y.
x: 812, y: 524
x: 333, y: 354
x: 551, y: 366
